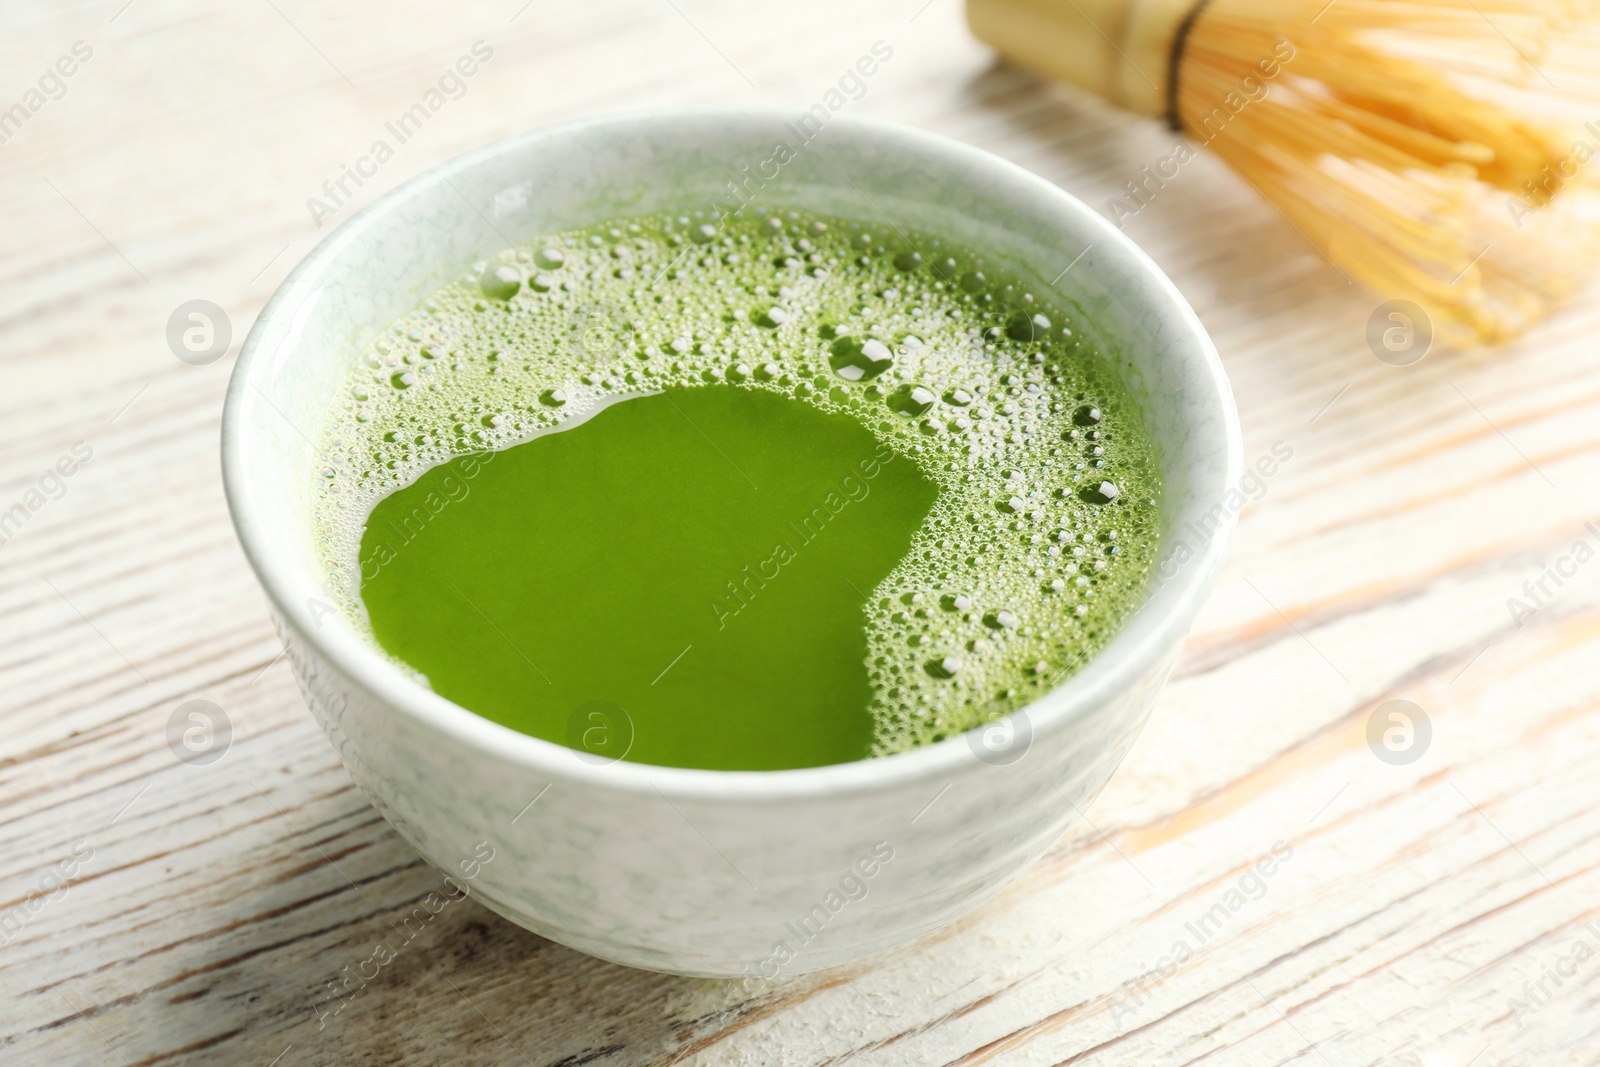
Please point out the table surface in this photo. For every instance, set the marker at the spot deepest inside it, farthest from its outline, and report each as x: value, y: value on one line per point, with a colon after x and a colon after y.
x: 1441, y: 912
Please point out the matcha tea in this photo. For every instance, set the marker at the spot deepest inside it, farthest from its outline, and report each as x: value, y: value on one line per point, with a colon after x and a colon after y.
x: 747, y: 493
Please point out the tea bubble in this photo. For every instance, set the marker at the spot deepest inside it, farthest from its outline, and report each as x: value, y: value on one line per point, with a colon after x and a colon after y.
x: 1025, y: 327
x: 1104, y: 493
x: 501, y: 283
x: 911, y: 400
x: 855, y: 360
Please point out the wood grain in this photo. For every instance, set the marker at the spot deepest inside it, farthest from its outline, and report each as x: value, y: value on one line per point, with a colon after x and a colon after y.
x: 217, y: 902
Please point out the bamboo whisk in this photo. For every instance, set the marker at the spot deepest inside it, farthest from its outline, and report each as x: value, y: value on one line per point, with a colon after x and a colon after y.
x: 1440, y: 151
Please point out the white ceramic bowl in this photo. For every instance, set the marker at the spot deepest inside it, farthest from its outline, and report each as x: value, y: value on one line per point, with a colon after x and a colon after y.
x: 694, y: 871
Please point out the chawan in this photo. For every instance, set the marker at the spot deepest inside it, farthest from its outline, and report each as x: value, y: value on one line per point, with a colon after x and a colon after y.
x: 755, y: 874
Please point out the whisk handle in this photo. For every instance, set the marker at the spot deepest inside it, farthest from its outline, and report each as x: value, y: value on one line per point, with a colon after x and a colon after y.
x: 1121, y: 50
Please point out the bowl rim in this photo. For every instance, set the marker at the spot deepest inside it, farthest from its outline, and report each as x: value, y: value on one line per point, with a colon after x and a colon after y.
x: 1133, y: 650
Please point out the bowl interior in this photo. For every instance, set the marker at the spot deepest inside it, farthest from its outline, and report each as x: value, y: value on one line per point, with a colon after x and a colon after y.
x: 388, y: 258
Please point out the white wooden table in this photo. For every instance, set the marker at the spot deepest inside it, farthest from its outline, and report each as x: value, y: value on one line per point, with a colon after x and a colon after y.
x: 153, y: 911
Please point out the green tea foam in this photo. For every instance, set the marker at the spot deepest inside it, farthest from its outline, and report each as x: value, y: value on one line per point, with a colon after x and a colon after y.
x: 1045, y: 525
